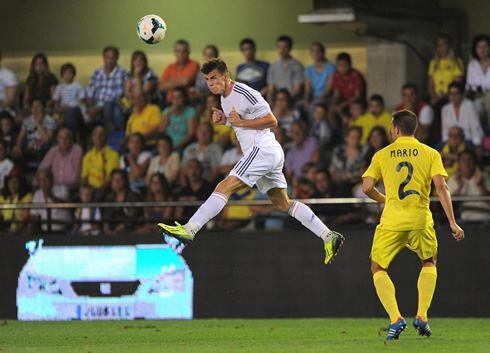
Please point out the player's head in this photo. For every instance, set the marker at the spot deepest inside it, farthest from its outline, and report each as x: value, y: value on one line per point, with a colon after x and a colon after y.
x: 403, y: 123
x: 216, y: 74
x: 247, y: 47
x: 284, y: 46
x: 376, y: 104
x: 409, y: 94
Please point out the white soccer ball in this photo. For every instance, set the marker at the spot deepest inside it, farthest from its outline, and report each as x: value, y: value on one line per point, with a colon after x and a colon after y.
x: 151, y: 29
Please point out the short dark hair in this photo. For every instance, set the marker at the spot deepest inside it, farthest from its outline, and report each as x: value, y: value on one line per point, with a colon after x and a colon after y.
x: 182, y: 42
x: 124, y: 175
x: 410, y: 85
x: 247, y: 41
x: 212, y: 64
x: 68, y: 66
x: 183, y: 91
x: 358, y: 129
x: 286, y: 93
x: 214, y: 47
x: 361, y: 101
x: 458, y: 85
x: 113, y: 49
x: 323, y: 106
x: 406, y: 121
x: 377, y: 98
x: 320, y: 45
x: 471, y: 153
x: 166, y: 138
x: 476, y: 39
x: 344, y: 57
x: 286, y: 39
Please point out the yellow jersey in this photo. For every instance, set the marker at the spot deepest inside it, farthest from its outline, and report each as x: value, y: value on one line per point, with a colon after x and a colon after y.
x: 98, y: 166
x: 444, y: 72
x: 407, y: 167
x: 145, y: 121
x: 368, y: 121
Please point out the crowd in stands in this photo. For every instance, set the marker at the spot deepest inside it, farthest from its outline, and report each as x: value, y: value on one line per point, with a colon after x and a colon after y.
x: 131, y: 136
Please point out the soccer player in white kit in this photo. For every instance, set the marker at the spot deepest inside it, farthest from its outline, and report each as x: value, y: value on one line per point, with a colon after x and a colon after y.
x: 246, y: 111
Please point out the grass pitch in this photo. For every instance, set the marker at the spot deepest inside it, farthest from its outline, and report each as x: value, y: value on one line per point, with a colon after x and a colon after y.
x: 272, y: 335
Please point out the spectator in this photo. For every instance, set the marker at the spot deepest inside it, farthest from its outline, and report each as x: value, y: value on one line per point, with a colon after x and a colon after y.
x: 121, y: 219
x: 286, y: 72
x: 202, y: 89
x: 69, y: 100
x: 179, y: 121
x: 141, y: 77
x: 180, y: 74
x: 158, y: 191
x: 197, y: 189
x: 36, y: 134
x: 6, y: 164
x: 376, y: 141
x: 7, y: 131
x: 40, y: 84
x: 469, y: 180
x: 452, y: 148
x: 461, y: 112
x: 356, y: 109
x: 167, y: 162
x: 16, y: 191
x: 98, y: 163
x: 87, y: 218
x: 145, y: 117
x: 324, y: 190
x: 478, y: 77
x: 304, y: 186
x: 47, y: 193
x: 229, y: 159
x: 64, y: 161
x: 347, y: 162
x: 377, y: 116
x: 8, y: 89
x: 284, y: 111
x: 318, y: 80
x: 348, y: 86
x: 281, y: 137
x: 205, y: 151
x: 305, y: 150
x: 320, y: 129
x: 253, y: 72
x: 105, y: 88
x: 222, y: 133
x: 136, y: 161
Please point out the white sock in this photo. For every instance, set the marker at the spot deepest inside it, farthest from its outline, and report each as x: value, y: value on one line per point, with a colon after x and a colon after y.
x: 307, y: 218
x: 208, y: 210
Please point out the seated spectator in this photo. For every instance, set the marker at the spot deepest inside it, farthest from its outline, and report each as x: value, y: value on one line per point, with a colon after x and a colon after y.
x: 373, y: 210
x: 229, y: 159
x: 281, y: 137
x: 222, y: 133
x: 179, y: 121
x: 286, y: 72
x: 121, y: 219
x: 16, y: 191
x: 181, y: 74
x: 145, y: 117
x: 69, y: 100
x: 7, y: 132
x: 356, y: 109
x: 347, y: 163
x: 141, y: 77
x: 36, y: 135
x: 377, y: 116
x: 452, y: 148
x: 205, y: 151
x: 98, y: 163
x: 8, y: 89
x: 197, y: 189
x: 318, y: 78
x: 40, y: 84
x: 49, y: 192
x: 104, y: 90
x: 304, y: 150
x: 87, y: 218
x: 376, y: 141
x: 166, y: 162
x: 461, y: 112
x: 325, y: 190
x: 252, y: 72
x: 64, y: 160
x: 320, y: 129
x: 284, y: 111
x: 348, y: 86
x: 158, y: 191
x: 469, y: 180
x: 136, y: 161
x: 304, y: 186
x: 6, y: 164
x: 478, y: 76
x: 202, y: 89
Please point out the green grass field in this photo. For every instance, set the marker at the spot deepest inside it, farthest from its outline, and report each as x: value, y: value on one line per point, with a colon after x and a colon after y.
x: 273, y: 335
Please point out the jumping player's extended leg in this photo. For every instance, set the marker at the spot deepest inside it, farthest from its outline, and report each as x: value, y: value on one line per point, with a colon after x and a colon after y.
x: 305, y: 215
x: 426, y: 286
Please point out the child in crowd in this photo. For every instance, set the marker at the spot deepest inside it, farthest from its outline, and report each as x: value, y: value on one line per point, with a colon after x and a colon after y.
x: 86, y: 218
x: 7, y: 132
x: 320, y: 128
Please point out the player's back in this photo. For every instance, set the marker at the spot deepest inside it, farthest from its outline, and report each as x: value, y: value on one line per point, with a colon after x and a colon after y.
x: 407, y: 167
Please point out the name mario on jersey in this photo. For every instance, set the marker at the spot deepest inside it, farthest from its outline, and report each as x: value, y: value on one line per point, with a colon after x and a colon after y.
x: 406, y: 152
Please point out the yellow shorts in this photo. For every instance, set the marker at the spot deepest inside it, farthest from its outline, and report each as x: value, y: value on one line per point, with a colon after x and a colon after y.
x: 387, y: 244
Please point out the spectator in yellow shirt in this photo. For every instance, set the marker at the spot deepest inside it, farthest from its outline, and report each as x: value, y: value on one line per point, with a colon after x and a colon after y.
x: 377, y: 116
x: 145, y: 117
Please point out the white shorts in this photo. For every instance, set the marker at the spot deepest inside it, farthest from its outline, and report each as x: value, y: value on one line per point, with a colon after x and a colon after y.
x: 262, y: 166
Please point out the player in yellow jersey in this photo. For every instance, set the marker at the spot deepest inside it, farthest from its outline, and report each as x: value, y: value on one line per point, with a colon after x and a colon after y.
x: 407, y: 168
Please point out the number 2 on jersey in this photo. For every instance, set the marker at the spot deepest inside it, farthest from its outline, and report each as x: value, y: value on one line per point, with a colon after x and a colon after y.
x: 401, y: 192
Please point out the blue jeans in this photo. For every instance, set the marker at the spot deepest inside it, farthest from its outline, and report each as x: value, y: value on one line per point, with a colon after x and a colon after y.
x: 112, y: 117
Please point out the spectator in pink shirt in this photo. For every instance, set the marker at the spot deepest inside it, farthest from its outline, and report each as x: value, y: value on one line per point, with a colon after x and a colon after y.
x: 64, y: 160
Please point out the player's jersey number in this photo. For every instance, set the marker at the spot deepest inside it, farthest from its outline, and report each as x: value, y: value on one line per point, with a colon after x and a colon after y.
x: 401, y: 192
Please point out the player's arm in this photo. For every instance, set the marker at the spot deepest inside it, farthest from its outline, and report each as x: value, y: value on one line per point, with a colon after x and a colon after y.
x: 265, y: 122
x: 369, y: 188
x: 445, y: 198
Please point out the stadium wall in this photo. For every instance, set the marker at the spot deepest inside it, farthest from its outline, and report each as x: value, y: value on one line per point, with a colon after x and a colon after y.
x: 281, y: 274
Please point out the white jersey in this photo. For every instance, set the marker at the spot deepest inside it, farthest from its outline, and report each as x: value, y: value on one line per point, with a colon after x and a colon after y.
x: 250, y: 105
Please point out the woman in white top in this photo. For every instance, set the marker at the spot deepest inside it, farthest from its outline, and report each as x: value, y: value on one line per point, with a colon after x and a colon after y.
x: 478, y: 79
x: 166, y: 162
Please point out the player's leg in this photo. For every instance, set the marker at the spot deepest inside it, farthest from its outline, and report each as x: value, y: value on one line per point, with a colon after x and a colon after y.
x: 426, y: 286
x: 305, y: 215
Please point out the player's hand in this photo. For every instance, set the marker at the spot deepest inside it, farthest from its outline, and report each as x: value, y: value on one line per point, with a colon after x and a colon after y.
x: 235, y: 119
x: 218, y: 117
x: 458, y: 233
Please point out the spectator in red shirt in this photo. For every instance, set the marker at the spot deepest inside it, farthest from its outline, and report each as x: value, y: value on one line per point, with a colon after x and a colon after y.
x: 182, y: 73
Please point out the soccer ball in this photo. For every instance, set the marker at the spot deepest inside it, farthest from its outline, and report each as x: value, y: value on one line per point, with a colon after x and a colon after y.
x: 151, y: 29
